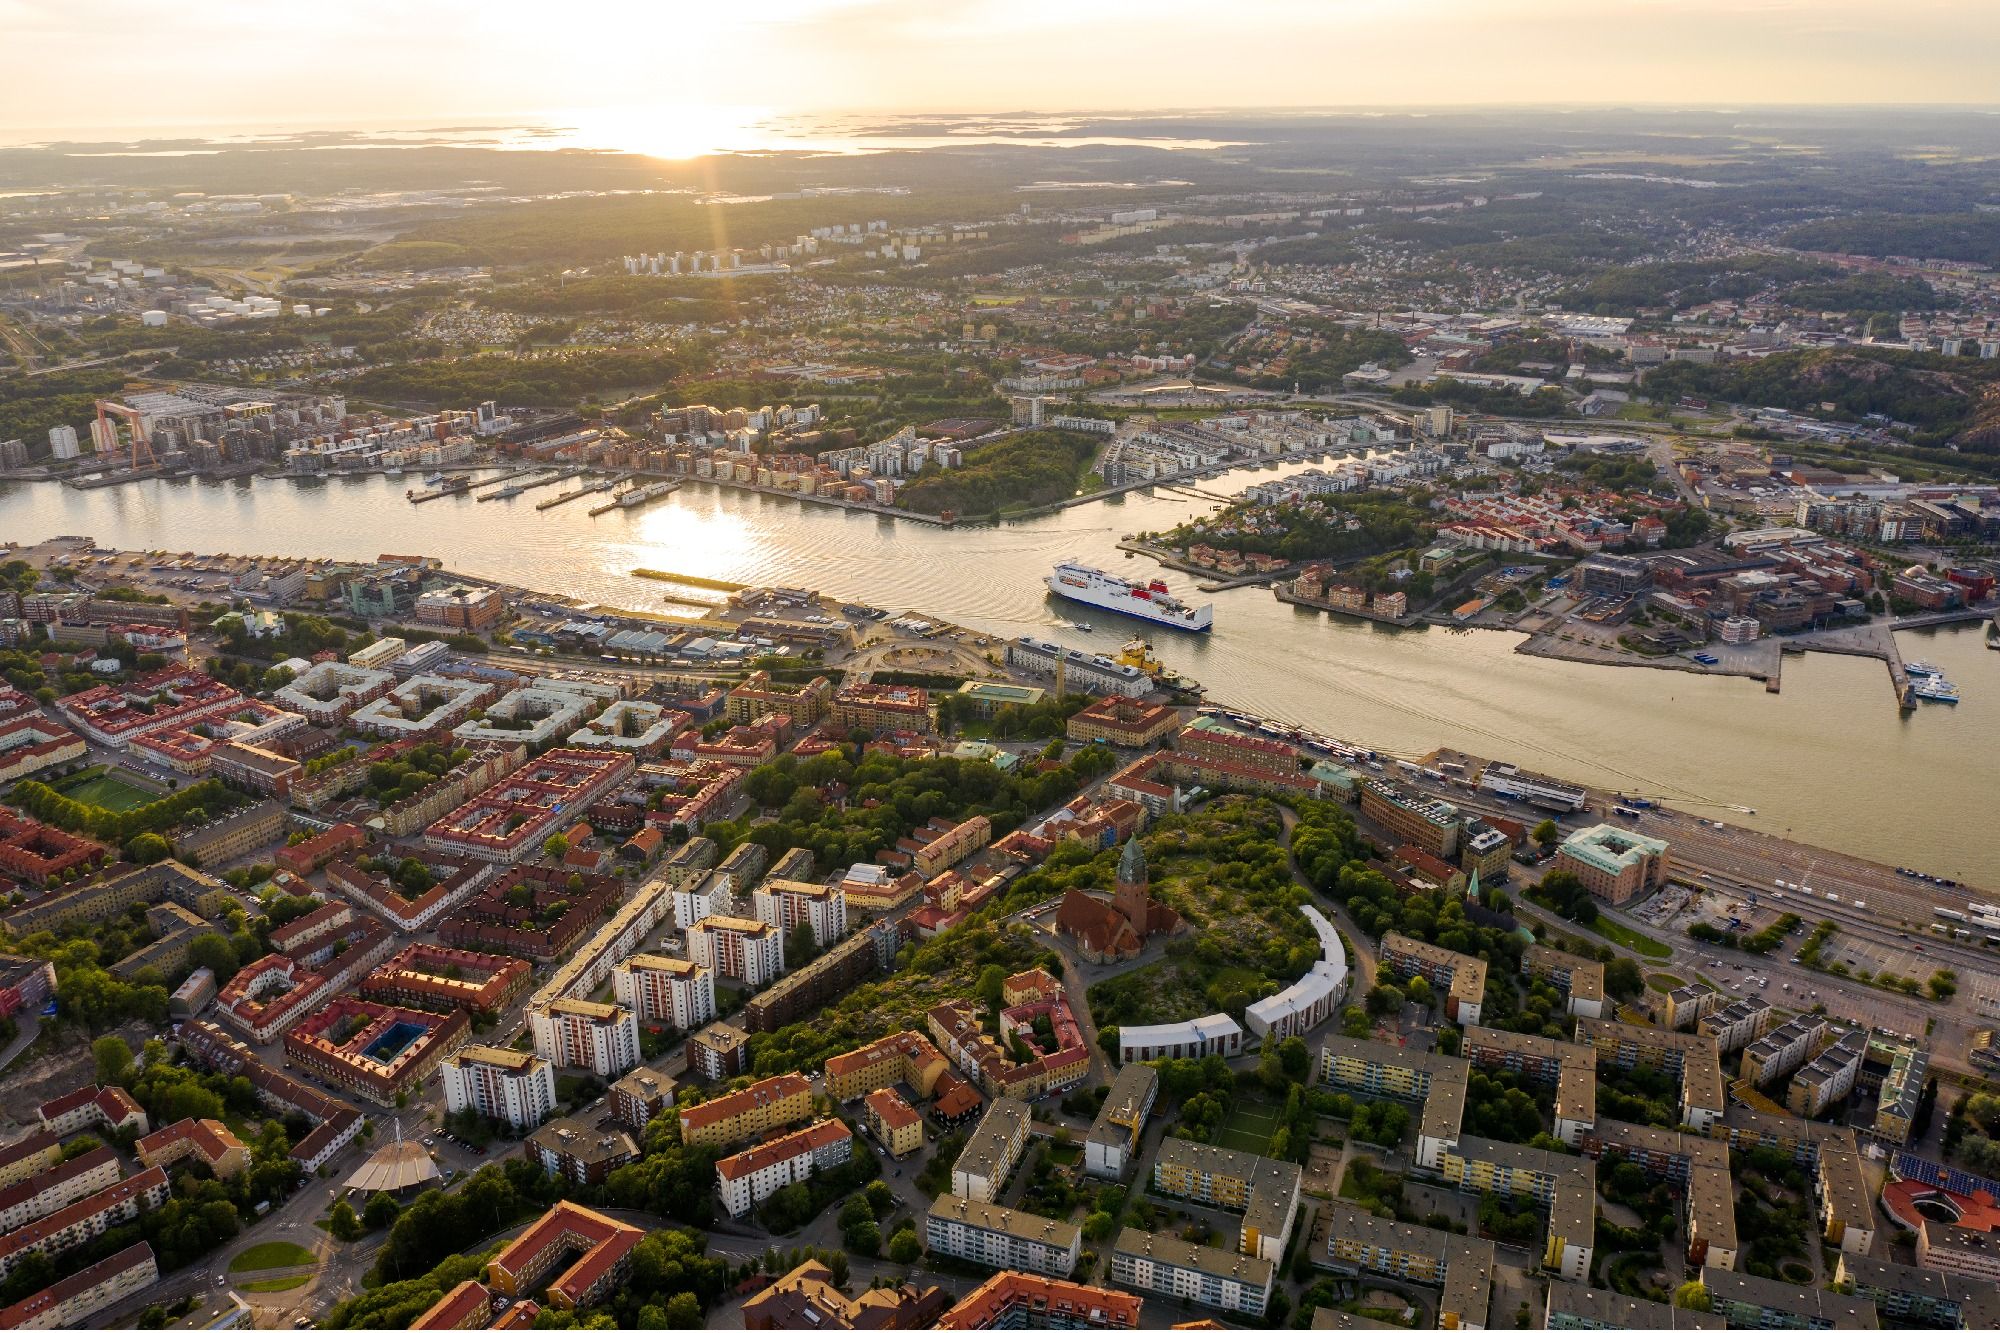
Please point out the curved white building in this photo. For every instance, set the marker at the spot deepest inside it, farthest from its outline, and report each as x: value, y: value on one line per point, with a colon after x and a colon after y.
x: 1311, y: 999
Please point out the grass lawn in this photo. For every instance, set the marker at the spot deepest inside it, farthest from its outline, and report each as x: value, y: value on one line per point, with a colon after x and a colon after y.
x: 1643, y: 945
x: 1249, y: 1128
x: 276, y: 1283
x: 111, y: 792
x: 1664, y: 981
x: 272, y: 1254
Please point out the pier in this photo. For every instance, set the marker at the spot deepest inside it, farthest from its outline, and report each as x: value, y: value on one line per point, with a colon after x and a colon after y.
x: 691, y: 580
x: 593, y: 488
x: 425, y: 497
x: 510, y: 491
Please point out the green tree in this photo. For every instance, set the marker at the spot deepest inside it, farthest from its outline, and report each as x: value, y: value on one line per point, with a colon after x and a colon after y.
x: 1546, y: 834
x: 1693, y: 1296
x: 905, y: 1248
x: 216, y: 953
x: 1623, y: 979
x: 147, y: 848
x: 381, y: 1211
x: 683, y: 1310
x: 555, y: 847
x: 342, y: 1224
x: 114, y: 1059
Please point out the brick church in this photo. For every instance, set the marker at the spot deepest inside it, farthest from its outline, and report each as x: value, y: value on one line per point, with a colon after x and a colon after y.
x: 1109, y: 932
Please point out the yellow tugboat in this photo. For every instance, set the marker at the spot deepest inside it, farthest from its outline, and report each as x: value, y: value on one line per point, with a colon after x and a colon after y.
x: 1139, y: 653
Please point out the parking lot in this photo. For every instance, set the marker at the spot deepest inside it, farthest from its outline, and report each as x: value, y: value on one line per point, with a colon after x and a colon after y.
x: 1872, y: 958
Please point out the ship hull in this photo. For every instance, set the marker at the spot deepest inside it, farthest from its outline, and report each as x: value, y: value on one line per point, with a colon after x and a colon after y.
x: 1137, y: 610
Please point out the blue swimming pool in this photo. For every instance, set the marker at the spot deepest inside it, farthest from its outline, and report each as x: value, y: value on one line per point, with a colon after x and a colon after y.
x: 393, y: 1042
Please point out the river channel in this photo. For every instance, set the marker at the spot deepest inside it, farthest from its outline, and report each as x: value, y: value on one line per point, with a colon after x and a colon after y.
x: 1829, y: 760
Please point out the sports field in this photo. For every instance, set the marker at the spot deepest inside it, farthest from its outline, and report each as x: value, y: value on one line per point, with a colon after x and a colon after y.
x: 110, y: 791
x: 1249, y: 1127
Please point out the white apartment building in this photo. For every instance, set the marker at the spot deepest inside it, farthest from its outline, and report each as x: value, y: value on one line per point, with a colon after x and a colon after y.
x: 784, y: 903
x: 705, y: 895
x: 754, y: 1175
x: 1166, y: 1265
x: 581, y: 1034
x: 993, y: 1150
x: 512, y: 1086
x: 751, y: 952
x: 660, y: 989
x: 995, y: 1237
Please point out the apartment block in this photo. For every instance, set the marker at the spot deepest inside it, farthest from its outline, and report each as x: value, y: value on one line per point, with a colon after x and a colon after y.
x: 659, y: 988
x: 752, y: 1112
x: 806, y: 1298
x: 1572, y: 1305
x: 893, y: 1121
x: 1684, y: 1006
x: 1581, y: 980
x: 59, y: 1187
x: 785, y: 903
x: 579, y: 1151
x: 583, y: 1034
x: 639, y: 1096
x: 1460, y: 979
x: 1022, y: 1300
x: 1166, y: 1265
x: 1381, y: 1070
x: 996, y: 1237
x: 511, y: 1086
x: 1266, y: 1192
x: 1748, y: 1301
x: 1829, y: 1075
x: 578, y: 1254
x: 1901, y: 1093
x: 1564, y: 1185
x: 77, y: 1300
x: 992, y: 1151
x: 1349, y: 1240
x: 85, y: 1220
x: 1738, y: 1024
x: 1783, y: 1049
x: 1113, y: 1142
x: 901, y: 1057
x: 751, y: 952
x: 209, y: 1142
x: 1846, y: 1208
x: 110, y: 1109
x: 1711, y: 1218
x: 748, y: 1178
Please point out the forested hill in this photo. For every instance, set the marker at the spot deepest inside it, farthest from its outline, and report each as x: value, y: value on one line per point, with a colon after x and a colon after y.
x: 1034, y: 467
x: 1946, y: 399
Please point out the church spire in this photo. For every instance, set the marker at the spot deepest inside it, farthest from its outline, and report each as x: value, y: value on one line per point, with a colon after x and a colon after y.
x: 1132, y: 862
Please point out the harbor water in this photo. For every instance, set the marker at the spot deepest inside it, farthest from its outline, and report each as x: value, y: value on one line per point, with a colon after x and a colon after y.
x: 1828, y: 760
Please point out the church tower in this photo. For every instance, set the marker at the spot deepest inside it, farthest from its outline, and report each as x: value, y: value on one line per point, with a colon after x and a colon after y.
x: 1130, y: 897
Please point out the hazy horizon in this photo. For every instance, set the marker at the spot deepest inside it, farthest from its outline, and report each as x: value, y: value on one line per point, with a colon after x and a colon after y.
x: 629, y: 76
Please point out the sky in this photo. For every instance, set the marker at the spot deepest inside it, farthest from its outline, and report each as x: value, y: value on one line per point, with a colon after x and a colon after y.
x: 167, y: 64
